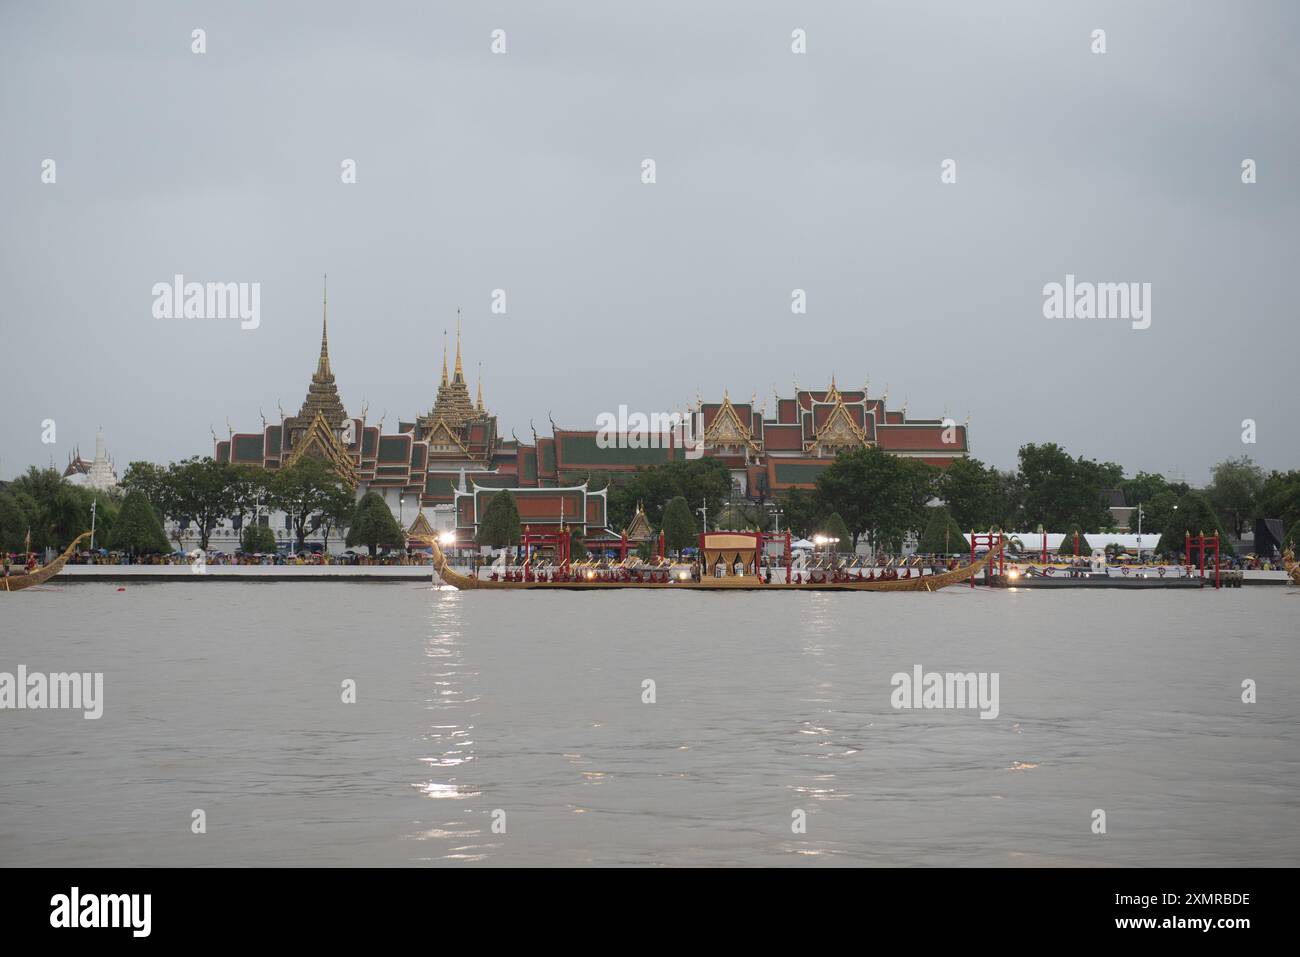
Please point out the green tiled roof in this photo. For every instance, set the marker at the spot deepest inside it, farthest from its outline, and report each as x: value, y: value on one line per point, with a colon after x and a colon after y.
x: 248, y: 448
x: 392, y: 449
x: 799, y: 473
x: 581, y: 451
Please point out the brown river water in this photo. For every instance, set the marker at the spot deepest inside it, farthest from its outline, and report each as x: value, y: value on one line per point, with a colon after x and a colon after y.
x: 529, y: 711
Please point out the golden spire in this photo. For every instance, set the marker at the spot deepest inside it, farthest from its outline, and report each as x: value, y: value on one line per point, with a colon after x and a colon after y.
x: 460, y: 372
x: 444, y: 358
x: 480, y: 387
x: 323, y: 366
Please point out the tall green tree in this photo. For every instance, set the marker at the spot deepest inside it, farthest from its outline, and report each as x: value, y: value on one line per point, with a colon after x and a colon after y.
x: 249, y: 490
x: 1194, y: 514
x: 137, y: 530
x: 372, y: 525
x: 1143, y: 487
x: 148, y: 479
x: 18, y: 513
x: 1061, y: 492
x: 705, y: 481
x: 878, y: 494
x: 335, y: 513
x: 679, y: 526
x: 577, y: 547
x: 942, y: 535
x: 835, y: 528
x: 969, y: 489
x: 500, y: 526
x: 1280, y: 498
x: 304, y: 491
x: 199, y: 491
x: 1235, y: 485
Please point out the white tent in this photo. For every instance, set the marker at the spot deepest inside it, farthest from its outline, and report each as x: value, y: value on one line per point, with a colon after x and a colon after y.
x: 1033, y: 541
x: 803, y: 543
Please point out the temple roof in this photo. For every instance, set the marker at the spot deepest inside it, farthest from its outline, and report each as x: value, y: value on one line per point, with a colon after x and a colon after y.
x: 322, y: 394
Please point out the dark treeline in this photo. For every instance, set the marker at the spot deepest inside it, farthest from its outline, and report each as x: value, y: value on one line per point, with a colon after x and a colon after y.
x: 865, y: 493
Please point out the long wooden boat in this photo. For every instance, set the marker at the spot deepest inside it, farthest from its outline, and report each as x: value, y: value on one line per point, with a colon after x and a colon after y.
x: 729, y: 583
x: 45, y: 572
x: 1095, y: 581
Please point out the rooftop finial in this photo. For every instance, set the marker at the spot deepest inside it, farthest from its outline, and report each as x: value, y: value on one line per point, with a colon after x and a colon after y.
x: 323, y: 366
x: 460, y: 372
x: 480, y: 387
x: 444, y: 357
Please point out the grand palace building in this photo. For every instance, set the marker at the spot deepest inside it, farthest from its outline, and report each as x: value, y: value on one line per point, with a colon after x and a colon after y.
x: 438, y: 470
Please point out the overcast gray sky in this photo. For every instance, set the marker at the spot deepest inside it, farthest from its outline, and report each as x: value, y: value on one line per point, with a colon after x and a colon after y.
x: 775, y: 171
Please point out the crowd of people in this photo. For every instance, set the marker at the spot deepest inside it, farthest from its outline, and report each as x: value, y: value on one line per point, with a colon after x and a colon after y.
x: 242, y: 558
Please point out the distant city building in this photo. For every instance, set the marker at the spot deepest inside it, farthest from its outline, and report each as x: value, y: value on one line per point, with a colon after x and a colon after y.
x: 441, y: 468
x: 97, y: 473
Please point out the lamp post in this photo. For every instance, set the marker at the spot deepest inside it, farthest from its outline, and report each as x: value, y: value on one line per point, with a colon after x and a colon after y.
x: 94, y: 503
x: 1139, y: 531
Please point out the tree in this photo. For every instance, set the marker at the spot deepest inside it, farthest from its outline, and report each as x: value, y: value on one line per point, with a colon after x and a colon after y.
x: 705, y: 481
x: 577, y: 547
x: 335, y: 512
x: 835, y: 528
x: 679, y: 526
x: 1194, y: 514
x: 1066, y: 547
x: 942, y: 534
x: 304, y: 491
x: 257, y: 539
x: 741, y: 517
x: 1061, y: 492
x: 199, y: 491
x: 499, y: 527
x: 801, y: 512
x: 373, y: 525
x: 249, y: 490
x: 969, y: 489
x: 1156, y: 513
x: 877, y: 493
x: 1235, y: 484
x: 18, y: 513
x: 1280, y: 498
x: 137, y: 529
x: 1143, y: 487
x: 147, y: 478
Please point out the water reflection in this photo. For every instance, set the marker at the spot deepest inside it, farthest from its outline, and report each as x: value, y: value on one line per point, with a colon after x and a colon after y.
x: 449, y: 696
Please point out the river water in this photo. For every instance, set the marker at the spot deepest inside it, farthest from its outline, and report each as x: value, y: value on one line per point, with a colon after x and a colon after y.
x: 527, y: 710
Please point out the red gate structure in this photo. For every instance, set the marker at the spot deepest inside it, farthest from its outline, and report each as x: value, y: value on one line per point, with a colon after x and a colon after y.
x: 1201, y: 542
x: 785, y: 539
x: 987, y: 538
x: 558, y: 540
